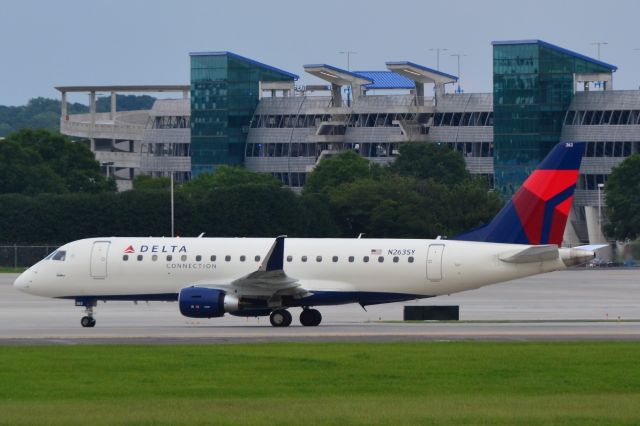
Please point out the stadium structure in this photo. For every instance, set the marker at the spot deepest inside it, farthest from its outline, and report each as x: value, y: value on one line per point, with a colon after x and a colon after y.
x: 240, y: 111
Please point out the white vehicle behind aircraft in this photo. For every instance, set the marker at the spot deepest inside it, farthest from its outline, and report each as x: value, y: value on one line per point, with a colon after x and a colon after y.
x: 209, y: 277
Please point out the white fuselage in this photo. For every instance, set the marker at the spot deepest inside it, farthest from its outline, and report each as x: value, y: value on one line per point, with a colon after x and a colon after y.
x: 155, y: 266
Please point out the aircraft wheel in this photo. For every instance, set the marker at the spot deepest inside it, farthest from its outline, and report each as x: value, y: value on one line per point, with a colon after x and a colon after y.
x: 280, y: 318
x: 88, y: 322
x: 310, y: 317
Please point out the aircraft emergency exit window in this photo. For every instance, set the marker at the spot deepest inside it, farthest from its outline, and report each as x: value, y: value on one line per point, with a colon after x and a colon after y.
x: 410, y: 259
x: 289, y: 258
x: 213, y: 258
x: 227, y: 258
x: 169, y: 257
x: 334, y: 259
x: 183, y: 258
x: 351, y: 259
x: 304, y: 258
x: 365, y: 259
x: 198, y: 258
x: 139, y: 257
x: 395, y: 259
x: 258, y: 258
x: 59, y: 255
x: 243, y: 258
x: 125, y: 257
x: 381, y: 259
x: 154, y: 257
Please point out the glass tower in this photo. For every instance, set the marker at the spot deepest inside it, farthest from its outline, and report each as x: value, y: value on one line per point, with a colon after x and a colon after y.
x: 533, y: 85
x: 225, y: 90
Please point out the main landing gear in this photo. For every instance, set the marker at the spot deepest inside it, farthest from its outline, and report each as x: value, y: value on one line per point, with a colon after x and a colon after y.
x: 308, y: 318
x: 280, y: 318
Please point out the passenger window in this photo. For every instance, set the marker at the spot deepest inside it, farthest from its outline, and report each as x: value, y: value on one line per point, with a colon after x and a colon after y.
x: 365, y: 259
x: 395, y: 259
x: 351, y: 259
x: 289, y: 258
x: 139, y: 258
x: 410, y: 259
x: 227, y: 258
x: 381, y: 259
x: 213, y: 258
x: 243, y: 258
x: 125, y: 257
x: 59, y: 255
x: 183, y: 258
x: 198, y: 258
x: 304, y: 258
x: 257, y: 258
x: 169, y: 257
x: 334, y: 259
x: 318, y: 258
x: 154, y: 257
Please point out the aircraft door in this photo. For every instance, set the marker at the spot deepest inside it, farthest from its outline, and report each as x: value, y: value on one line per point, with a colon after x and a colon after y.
x: 434, y: 262
x: 99, y: 253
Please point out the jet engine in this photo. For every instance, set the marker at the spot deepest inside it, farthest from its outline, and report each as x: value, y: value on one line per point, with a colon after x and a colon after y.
x: 201, y: 302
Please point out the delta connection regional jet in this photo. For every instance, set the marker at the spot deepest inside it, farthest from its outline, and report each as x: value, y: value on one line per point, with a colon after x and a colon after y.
x: 210, y: 277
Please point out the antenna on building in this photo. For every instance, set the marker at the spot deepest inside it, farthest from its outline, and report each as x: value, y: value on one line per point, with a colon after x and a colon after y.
x: 438, y: 50
x: 458, y: 56
x: 599, y: 43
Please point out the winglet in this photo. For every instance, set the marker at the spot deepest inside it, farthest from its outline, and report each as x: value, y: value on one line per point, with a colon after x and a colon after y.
x: 274, y: 261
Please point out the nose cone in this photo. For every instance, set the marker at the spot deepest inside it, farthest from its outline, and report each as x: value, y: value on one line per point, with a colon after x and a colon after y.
x: 23, y: 282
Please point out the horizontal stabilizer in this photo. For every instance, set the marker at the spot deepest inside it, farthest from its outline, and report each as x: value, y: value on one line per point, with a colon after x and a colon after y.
x: 592, y: 247
x: 531, y: 254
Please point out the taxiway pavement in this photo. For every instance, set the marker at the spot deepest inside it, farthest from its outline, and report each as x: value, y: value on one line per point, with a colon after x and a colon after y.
x: 578, y: 304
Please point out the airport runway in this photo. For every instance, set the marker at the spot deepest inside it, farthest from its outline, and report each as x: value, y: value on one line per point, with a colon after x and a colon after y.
x: 566, y: 305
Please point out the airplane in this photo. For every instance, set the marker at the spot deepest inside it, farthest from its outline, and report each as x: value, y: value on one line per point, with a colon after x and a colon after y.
x: 210, y: 277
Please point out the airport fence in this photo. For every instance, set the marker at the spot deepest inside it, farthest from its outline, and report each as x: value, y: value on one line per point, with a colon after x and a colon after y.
x: 18, y: 256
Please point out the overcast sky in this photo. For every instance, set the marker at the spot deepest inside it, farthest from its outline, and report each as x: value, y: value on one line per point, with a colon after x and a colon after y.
x: 70, y: 42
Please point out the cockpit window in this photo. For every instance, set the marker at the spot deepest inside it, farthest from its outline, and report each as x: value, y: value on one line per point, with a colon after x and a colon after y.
x: 59, y: 255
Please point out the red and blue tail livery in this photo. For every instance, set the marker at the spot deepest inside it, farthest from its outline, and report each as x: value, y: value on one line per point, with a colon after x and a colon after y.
x: 538, y: 212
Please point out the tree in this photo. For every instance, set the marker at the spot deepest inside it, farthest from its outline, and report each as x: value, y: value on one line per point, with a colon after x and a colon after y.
x: 227, y: 176
x: 431, y: 161
x: 622, y: 192
x: 338, y: 169
x: 38, y: 161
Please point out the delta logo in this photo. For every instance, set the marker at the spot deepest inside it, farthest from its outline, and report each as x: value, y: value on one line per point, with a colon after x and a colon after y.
x: 157, y: 249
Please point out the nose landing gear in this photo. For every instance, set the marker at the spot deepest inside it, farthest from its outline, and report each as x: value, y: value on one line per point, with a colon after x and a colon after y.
x: 88, y: 320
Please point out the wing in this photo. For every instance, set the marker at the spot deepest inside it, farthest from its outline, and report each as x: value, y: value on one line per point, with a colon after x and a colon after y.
x: 270, y: 278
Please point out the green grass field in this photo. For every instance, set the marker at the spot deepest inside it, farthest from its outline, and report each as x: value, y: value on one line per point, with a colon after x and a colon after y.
x: 9, y: 270
x: 329, y: 383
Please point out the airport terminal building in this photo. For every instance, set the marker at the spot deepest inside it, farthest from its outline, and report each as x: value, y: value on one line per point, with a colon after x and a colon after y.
x: 240, y: 111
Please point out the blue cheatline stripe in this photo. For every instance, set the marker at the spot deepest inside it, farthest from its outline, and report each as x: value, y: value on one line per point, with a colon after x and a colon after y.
x: 318, y: 298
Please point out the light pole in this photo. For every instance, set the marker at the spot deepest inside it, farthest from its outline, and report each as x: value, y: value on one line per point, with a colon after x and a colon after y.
x: 599, y: 43
x: 600, y: 186
x: 458, y: 56
x: 172, y: 210
x: 348, y: 53
x: 438, y: 50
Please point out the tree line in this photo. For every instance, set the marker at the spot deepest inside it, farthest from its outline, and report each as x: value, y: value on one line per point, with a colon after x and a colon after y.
x: 51, y: 191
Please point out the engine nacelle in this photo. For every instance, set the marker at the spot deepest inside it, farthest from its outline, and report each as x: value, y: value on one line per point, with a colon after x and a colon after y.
x: 200, y: 302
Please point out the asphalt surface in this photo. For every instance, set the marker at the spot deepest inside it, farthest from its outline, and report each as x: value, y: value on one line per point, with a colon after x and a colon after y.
x: 567, y: 305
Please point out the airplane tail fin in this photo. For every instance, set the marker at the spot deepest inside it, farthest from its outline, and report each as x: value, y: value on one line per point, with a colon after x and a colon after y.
x: 538, y: 211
